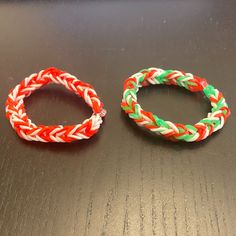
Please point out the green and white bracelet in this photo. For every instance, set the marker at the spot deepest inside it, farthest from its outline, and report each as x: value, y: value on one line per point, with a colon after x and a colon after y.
x: 175, y: 132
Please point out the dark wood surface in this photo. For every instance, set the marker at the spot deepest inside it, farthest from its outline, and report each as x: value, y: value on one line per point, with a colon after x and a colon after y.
x: 123, y: 181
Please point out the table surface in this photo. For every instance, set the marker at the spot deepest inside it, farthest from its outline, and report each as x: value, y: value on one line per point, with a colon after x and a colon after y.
x: 123, y: 181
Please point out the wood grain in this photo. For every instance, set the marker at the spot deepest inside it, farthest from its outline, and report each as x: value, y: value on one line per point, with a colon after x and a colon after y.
x: 123, y: 181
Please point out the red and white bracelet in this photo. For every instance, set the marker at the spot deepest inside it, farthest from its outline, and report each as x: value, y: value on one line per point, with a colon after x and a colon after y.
x: 15, y: 109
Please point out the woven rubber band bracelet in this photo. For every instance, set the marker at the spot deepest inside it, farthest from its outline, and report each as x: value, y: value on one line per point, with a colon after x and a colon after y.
x: 175, y: 132
x: 15, y: 109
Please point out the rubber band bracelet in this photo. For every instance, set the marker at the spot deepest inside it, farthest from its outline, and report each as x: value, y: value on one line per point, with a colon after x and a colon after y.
x: 189, y: 133
x: 15, y: 109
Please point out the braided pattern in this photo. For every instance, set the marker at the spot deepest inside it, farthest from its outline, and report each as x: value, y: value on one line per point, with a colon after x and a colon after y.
x: 189, y: 133
x: 15, y: 109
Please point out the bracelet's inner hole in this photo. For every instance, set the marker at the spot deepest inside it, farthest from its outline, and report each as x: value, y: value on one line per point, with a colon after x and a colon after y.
x: 56, y: 105
x: 174, y: 103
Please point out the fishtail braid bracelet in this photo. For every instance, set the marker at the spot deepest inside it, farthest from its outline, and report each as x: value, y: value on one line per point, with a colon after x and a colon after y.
x: 175, y: 132
x: 26, y: 129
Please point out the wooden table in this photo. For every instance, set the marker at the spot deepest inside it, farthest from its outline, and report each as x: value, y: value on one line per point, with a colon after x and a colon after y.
x: 123, y: 181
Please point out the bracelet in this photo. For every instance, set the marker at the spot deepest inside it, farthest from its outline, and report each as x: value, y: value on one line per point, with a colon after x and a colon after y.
x: 15, y: 109
x: 175, y: 132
